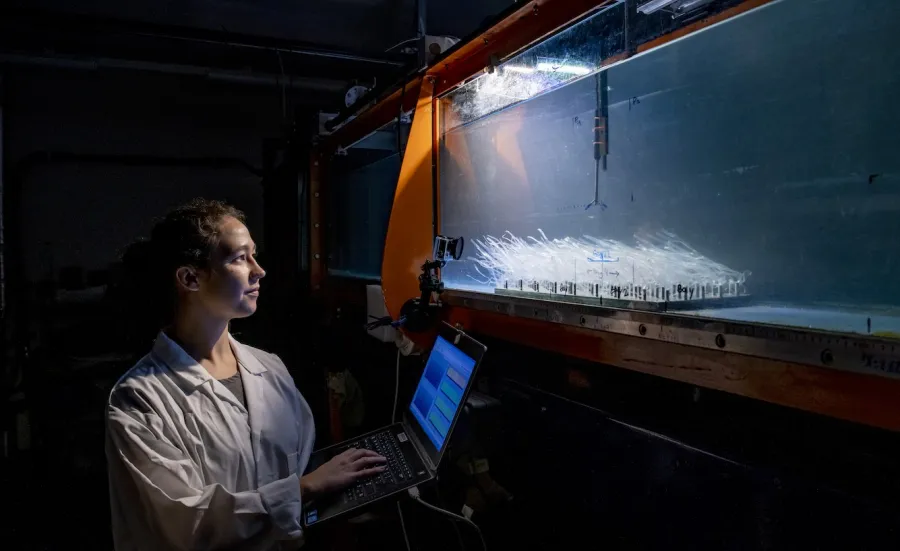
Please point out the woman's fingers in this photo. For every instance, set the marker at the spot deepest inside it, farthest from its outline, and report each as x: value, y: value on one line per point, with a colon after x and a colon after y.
x: 360, y: 458
x: 368, y: 472
x: 350, y: 454
x: 353, y: 454
x: 370, y: 453
x: 373, y: 455
x: 364, y: 453
x: 367, y: 462
x: 356, y: 454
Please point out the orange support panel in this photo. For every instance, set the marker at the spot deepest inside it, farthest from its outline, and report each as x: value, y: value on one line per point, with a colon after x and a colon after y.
x: 410, y: 232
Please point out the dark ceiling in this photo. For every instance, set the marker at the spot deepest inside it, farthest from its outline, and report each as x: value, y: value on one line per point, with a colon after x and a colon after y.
x: 345, y: 40
x: 356, y: 25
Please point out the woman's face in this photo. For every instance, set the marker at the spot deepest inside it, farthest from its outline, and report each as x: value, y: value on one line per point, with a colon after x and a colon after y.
x: 229, y: 287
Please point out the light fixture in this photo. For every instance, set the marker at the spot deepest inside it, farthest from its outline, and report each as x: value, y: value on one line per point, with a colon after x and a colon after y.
x: 563, y: 68
x: 654, y: 5
x: 688, y: 5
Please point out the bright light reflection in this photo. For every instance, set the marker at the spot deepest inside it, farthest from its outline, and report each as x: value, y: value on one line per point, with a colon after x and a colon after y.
x: 567, y: 69
x: 518, y: 69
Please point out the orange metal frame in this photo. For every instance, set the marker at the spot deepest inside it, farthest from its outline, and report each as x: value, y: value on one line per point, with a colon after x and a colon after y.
x: 861, y: 398
x: 411, y: 232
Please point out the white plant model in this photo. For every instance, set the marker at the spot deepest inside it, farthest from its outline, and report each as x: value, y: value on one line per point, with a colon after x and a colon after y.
x: 658, y: 267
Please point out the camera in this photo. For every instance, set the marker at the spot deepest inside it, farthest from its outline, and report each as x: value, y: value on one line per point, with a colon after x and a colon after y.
x: 447, y: 248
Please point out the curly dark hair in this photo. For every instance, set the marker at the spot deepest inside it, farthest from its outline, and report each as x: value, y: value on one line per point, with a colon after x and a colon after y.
x: 186, y: 236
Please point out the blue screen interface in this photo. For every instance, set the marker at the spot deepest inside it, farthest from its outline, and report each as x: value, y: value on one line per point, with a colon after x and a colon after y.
x: 440, y: 391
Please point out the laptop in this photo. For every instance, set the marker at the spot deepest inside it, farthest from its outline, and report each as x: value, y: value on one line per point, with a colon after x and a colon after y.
x: 414, y: 446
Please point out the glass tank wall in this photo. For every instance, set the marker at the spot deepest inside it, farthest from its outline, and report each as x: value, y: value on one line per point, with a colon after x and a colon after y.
x: 749, y: 171
x: 360, y: 199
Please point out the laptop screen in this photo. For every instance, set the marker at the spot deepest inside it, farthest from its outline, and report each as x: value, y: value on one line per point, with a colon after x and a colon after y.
x: 441, y: 389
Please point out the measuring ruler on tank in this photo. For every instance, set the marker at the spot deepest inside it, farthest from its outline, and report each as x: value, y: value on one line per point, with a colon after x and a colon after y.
x: 847, y: 352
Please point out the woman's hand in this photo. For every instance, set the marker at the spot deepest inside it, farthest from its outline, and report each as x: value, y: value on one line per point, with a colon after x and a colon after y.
x: 341, y: 471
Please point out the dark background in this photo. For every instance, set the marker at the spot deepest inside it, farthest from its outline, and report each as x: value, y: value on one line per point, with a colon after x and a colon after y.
x: 113, y: 112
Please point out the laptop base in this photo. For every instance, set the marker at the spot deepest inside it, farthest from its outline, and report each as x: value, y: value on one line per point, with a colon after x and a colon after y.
x: 405, y: 469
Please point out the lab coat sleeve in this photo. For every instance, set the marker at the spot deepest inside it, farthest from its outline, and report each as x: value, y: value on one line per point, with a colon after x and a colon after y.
x: 180, y: 509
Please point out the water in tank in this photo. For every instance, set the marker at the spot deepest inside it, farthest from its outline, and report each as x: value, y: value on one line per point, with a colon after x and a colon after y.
x: 363, y: 178
x: 748, y: 171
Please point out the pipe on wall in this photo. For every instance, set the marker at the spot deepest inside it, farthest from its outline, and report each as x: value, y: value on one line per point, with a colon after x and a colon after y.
x: 216, y: 75
x: 2, y: 222
x: 94, y: 25
x: 421, y: 16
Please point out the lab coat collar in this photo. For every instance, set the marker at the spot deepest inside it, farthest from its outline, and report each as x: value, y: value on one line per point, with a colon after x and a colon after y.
x: 188, y: 372
x: 246, y: 358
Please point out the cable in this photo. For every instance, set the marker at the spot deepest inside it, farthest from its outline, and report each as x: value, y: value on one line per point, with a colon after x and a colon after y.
x: 414, y: 493
x: 399, y: 118
x: 403, y: 527
x: 408, y: 40
x: 386, y: 320
x: 402, y: 42
x: 379, y: 322
x: 283, y: 101
x: 462, y: 546
x: 393, y: 418
x: 396, y: 392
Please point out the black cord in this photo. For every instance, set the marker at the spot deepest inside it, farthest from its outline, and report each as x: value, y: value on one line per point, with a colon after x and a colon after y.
x: 403, y: 527
x: 443, y: 503
x: 477, y: 482
x: 399, y: 117
x: 283, y: 99
x: 379, y: 322
x: 415, y: 495
x: 386, y: 320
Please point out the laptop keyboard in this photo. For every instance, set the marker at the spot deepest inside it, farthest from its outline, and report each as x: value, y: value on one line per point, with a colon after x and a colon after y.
x: 397, y: 471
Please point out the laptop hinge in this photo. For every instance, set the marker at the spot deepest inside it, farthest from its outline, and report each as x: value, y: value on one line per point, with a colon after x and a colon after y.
x: 417, y: 444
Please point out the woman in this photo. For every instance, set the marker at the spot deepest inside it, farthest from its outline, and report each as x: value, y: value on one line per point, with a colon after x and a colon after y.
x: 207, y: 438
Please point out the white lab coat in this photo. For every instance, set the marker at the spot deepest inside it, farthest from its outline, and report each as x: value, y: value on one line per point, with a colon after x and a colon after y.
x: 191, y: 468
